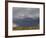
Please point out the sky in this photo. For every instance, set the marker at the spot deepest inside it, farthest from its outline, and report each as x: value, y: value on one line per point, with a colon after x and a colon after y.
x: 21, y: 13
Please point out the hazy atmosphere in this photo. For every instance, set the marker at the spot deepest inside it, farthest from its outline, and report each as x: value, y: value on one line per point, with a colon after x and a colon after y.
x: 25, y: 12
x: 25, y: 17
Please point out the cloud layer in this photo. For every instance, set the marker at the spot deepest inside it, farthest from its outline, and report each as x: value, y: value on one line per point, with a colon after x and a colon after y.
x: 21, y: 13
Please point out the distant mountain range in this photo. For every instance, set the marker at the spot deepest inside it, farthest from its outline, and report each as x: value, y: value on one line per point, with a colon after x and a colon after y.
x: 26, y: 21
